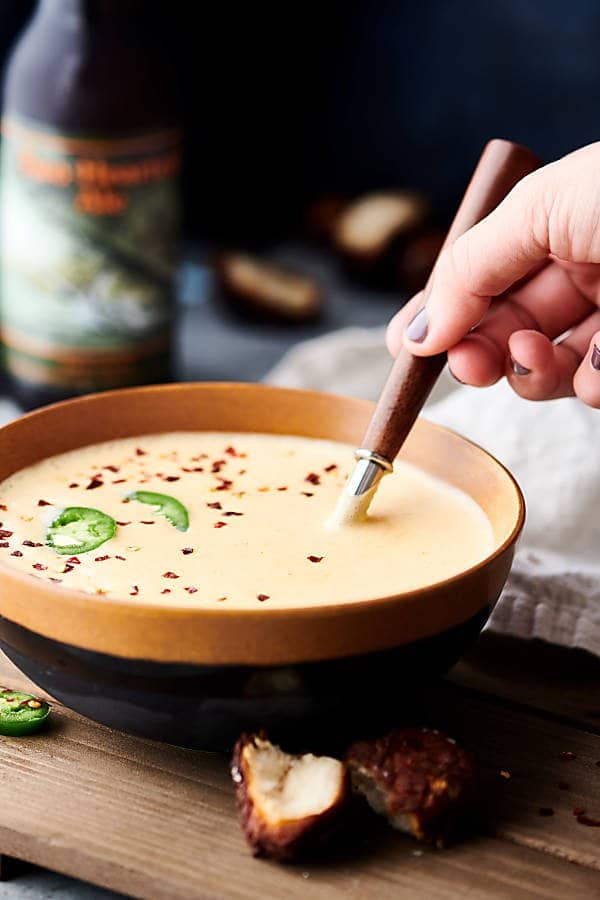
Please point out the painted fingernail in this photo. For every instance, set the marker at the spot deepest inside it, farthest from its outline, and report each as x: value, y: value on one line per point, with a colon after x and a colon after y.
x: 595, y: 360
x: 417, y: 328
x: 517, y: 368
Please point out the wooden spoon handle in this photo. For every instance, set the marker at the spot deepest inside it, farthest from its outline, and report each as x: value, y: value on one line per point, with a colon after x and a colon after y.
x: 501, y: 165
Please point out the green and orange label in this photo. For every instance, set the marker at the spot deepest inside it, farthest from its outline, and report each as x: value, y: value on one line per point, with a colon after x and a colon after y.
x: 88, y: 247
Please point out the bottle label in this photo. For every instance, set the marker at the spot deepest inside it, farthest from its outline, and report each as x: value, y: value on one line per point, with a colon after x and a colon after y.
x: 88, y: 242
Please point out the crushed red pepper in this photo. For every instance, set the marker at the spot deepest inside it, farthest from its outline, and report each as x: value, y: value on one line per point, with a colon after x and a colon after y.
x: 58, y: 580
x: 231, y: 451
x: 40, y: 567
x: 94, y: 483
x: 196, y: 469
x: 314, y: 559
x: 170, y: 575
x: 307, y: 494
x: 218, y: 465
x: 43, y: 503
x: 123, y: 524
x: 139, y: 451
x: 112, y: 468
x: 313, y: 478
x: 101, y: 558
x: 16, y: 553
x: 147, y: 522
x: 4, y: 544
x: 224, y: 485
x: 75, y: 560
x: 31, y: 543
x: 69, y: 568
x: 282, y: 488
x: 166, y: 591
x: 134, y: 591
x: 187, y: 550
x: 191, y: 590
x: 3, y: 506
x: 262, y: 597
x: 331, y: 467
x: 215, y: 505
x: 219, y: 524
x: 73, y: 484
x: 119, y: 481
x: 6, y: 534
x: 122, y: 558
x: 232, y: 512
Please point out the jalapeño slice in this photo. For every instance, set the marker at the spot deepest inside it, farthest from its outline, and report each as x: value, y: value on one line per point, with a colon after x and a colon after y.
x: 78, y: 529
x: 21, y: 713
x: 174, y: 511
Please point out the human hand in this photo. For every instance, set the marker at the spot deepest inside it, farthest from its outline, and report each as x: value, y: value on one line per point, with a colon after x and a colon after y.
x: 525, y: 275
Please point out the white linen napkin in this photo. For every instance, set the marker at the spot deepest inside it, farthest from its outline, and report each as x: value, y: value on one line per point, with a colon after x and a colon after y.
x: 552, y: 448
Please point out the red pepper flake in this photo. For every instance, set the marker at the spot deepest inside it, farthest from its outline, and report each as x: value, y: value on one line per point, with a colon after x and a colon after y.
x: 313, y: 478
x: 166, y: 591
x: 545, y: 811
x: 101, y: 558
x: 220, y: 524
x: 122, y: 558
x: 187, y: 550
x: 242, y: 471
x: 233, y: 513
x: 172, y: 478
x: 282, y: 488
x: 579, y: 811
x: 6, y: 534
x: 147, y: 522
x: 112, y: 468
x: 140, y: 452
x: 29, y: 543
x: 314, y: 558
x: 170, y: 575
x: 134, y: 591
x: 263, y: 490
x: 221, y: 599
x: 306, y: 494
x: 564, y: 786
x: 191, y: 590
x: 218, y: 465
x: 69, y: 568
x: 568, y: 756
x: 44, y: 503
x: 3, y: 507
x: 94, y: 483
x: 224, y: 485
x: 331, y: 467
x: 16, y: 553
x: 40, y: 567
x: 196, y: 469
x: 231, y: 451
x: 199, y: 456
x: 262, y: 597
x: 73, y: 484
x: 123, y: 524
x: 215, y: 505
x: 57, y: 580
x: 119, y: 481
x: 75, y: 560
x: 588, y: 820
x: 4, y: 544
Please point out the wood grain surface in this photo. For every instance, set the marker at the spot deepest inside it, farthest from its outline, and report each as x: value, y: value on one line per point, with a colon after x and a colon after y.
x: 155, y: 821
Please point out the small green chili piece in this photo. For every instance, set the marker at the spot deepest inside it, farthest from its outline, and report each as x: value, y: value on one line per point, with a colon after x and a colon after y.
x: 174, y: 511
x: 79, y: 529
x: 21, y: 713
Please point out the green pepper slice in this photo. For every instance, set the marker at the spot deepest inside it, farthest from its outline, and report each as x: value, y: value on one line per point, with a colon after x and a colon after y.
x: 78, y: 529
x: 21, y: 713
x: 174, y: 511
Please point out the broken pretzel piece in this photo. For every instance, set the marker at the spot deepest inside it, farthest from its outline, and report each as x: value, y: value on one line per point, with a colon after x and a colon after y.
x: 419, y: 779
x: 289, y: 805
x: 266, y: 289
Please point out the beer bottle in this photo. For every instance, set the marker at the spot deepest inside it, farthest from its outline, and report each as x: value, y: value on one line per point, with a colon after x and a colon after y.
x: 89, y: 203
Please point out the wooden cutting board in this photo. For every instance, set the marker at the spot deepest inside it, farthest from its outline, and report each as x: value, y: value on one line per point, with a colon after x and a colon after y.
x: 155, y: 821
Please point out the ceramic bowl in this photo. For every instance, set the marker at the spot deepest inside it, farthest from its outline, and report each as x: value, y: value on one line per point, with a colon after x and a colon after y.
x: 198, y: 676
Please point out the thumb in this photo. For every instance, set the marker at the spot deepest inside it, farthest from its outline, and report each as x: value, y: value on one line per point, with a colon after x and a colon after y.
x: 482, y: 264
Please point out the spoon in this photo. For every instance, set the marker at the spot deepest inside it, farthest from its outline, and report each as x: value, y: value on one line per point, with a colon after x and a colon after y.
x: 501, y: 165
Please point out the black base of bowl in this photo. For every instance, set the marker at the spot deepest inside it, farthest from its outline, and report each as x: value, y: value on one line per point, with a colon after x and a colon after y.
x: 320, y: 705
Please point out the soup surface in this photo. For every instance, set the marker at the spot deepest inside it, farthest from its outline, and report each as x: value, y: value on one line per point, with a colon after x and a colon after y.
x: 257, y: 508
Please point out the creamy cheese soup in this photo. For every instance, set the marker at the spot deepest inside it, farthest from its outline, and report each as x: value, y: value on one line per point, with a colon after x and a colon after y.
x: 240, y: 519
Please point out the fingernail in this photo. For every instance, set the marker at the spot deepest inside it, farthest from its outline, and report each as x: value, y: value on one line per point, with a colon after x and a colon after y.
x: 456, y: 378
x: 416, y: 330
x: 518, y: 369
x: 595, y: 360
